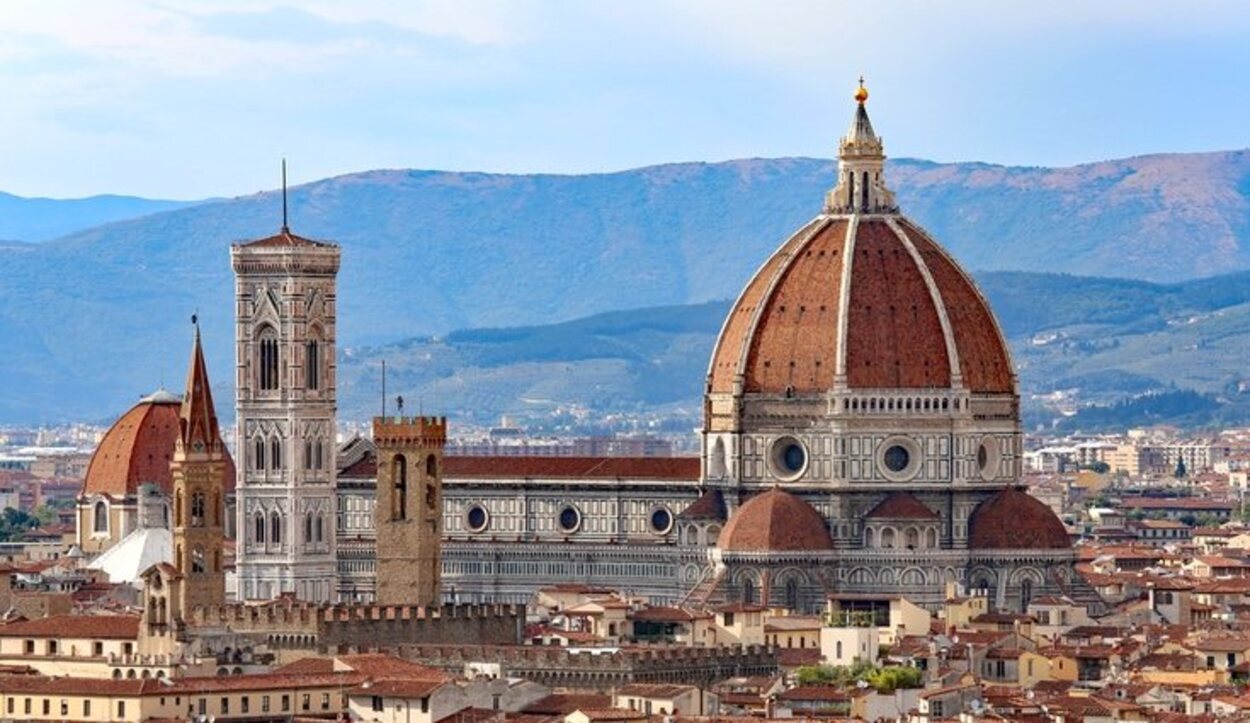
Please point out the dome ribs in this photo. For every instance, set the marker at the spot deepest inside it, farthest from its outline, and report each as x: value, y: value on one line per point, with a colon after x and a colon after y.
x: 984, y: 362
x: 739, y: 323
x: 894, y: 336
x: 794, y: 344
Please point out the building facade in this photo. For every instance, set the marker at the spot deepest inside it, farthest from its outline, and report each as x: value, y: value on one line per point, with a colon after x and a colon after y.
x: 285, y: 300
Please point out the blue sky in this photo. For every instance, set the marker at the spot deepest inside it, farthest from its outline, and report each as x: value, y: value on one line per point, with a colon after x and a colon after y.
x: 190, y: 98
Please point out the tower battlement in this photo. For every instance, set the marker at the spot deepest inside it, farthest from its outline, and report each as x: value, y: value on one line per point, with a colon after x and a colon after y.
x: 406, y: 431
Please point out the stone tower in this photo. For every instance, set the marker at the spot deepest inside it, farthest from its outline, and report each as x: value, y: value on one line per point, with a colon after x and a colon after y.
x: 285, y: 381
x: 409, y: 508
x: 199, y: 496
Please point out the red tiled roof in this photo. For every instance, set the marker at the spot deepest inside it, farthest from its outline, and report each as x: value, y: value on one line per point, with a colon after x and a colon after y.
x: 666, y: 468
x: 283, y: 238
x: 783, y: 331
x: 111, y: 627
x: 565, y: 703
x: 901, y: 506
x: 1015, y: 520
x: 137, y: 449
x: 775, y: 521
x: 709, y: 506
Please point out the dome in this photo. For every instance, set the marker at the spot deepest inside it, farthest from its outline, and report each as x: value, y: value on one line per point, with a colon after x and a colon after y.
x: 775, y: 521
x: 1015, y: 520
x: 861, y: 298
x: 874, y: 299
x: 138, y: 448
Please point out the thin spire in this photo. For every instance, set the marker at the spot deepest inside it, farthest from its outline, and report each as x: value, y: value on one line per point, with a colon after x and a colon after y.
x: 198, y: 417
x: 285, y: 227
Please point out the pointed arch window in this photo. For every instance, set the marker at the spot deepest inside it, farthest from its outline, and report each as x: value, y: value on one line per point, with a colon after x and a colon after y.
x: 308, y: 527
x: 275, y: 452
x: 275, y: 528
x: 258, y: 455
x: 268, y: 365
x: 792, y: 594
x: 319, y: 528
x: 748, y: 591
x: 312, y: 364
x: 319, y: 458
x: 259, y: 532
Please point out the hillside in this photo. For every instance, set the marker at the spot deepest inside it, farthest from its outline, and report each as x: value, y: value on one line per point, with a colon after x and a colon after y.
x: 39, y: 219
x: 92, y: 320
x: 1104, y: 341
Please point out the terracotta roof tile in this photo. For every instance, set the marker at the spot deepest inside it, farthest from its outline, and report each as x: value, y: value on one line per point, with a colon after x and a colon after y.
x: 901, y: 506
x: 775, y: 521
x: 113, y: 627
x: 1015, y: 520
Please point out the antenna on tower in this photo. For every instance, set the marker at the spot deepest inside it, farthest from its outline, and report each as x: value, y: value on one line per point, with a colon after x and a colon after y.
x: 285, y: 228
x: 384, y: 389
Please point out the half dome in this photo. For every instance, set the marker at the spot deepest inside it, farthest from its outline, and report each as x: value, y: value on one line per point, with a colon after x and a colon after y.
x: 775, y: 521
x: 1015, y: 520
x: 138, y: 448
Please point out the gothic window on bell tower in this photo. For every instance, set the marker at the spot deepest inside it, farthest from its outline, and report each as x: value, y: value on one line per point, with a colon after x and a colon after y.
x: 197, y: 509
x: 267, y: 368
x: 312, y: 365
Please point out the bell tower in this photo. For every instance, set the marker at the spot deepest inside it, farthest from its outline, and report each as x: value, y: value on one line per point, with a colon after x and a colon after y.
x: 199, y: 498
x: 409, y: 509
x: 285, y: 299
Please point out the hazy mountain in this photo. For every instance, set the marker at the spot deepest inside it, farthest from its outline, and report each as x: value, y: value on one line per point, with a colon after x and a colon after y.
x: 90, y: 321
x: 41, y: 219
x: 1170, y: 353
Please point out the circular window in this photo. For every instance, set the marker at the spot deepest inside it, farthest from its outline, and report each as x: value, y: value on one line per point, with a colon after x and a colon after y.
x: 988, y: 458
x: 477, y: 518
x: 661, y: 520
x: 789, y: 458
x: 569, y: 519
x: 897, y: 458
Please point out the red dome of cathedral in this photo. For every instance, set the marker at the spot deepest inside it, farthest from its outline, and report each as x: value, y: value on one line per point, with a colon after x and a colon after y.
x: 138, y: 448
x: 1015, y: 520
x: 862, y: 294
x: 775, y: 521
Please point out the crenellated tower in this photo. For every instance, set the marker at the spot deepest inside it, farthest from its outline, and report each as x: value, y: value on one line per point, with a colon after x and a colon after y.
x: 409, y: 508
x: 285, y: 298
x: 197, y: 468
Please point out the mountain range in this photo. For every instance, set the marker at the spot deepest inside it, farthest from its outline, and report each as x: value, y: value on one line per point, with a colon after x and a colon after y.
x: 1093, y: 354
x: 91, y: 320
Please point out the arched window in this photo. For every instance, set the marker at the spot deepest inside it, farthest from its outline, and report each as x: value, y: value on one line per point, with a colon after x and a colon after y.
x: 197, y: 559
x: 913, y: 538
x: 178, y: 508
x: 197, y: 509
x: 864, y: 191
x: 319, y: 455
x: 431, y: 466
x: 259, y: 532
x: 267, y: 368
x: 399, y: 493
x: 748, y: 591
x: 716, y: 465
x: 792, y: 594
x: 275, y: 528
x: 258, y: 456
x: 308, y: 528
x: 1026, y: 593
x: 319, y: 528
x: 887, y: 538
x: 312, y: 364
x: 100, y: 523
x: 275, y: 451
x: 930, y: 538
x: 308, y: 454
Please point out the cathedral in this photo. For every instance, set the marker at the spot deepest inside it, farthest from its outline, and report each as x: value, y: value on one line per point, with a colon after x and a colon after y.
x: 861, y: 435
